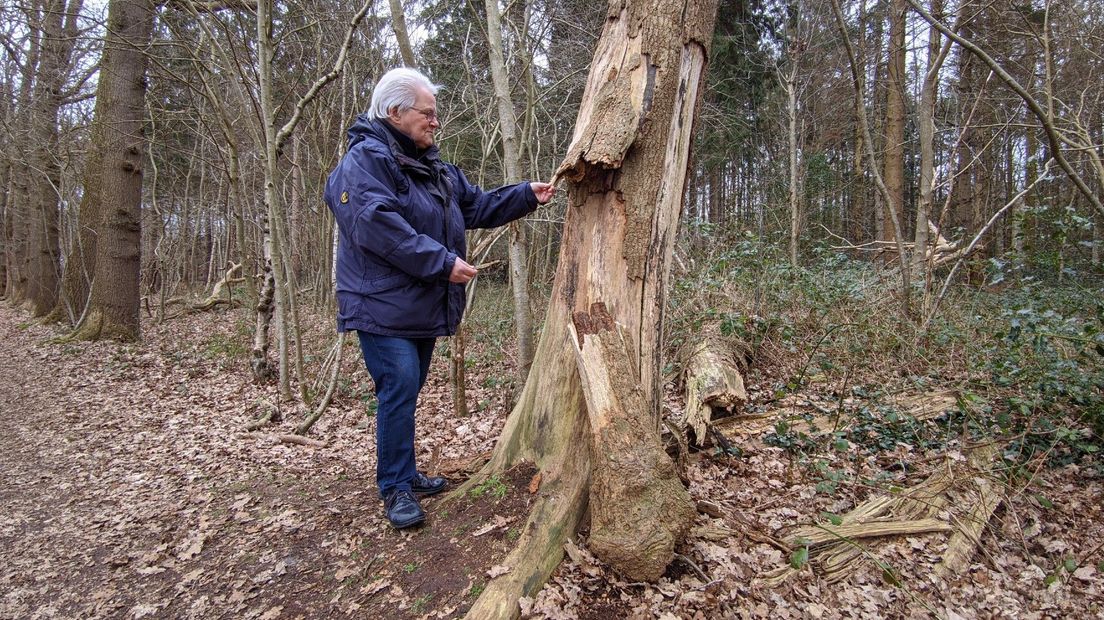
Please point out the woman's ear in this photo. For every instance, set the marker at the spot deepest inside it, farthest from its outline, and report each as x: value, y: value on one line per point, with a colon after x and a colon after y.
x: 394, y: 114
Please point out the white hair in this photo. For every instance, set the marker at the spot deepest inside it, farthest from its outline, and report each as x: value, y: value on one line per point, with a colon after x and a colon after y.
x: 398, y: 88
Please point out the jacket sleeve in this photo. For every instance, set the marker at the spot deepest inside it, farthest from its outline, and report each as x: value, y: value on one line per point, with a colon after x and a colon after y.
x: 494, y: 208
x: 362, y: 195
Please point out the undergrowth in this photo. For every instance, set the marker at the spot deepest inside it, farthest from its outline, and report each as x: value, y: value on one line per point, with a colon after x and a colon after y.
x: 1026, y: 358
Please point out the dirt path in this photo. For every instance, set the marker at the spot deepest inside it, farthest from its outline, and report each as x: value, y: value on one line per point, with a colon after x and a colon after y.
x: 129, y: 489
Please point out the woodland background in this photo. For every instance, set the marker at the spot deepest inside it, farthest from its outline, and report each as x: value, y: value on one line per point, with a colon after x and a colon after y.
x: 870, y: 210
x: 241, y: 117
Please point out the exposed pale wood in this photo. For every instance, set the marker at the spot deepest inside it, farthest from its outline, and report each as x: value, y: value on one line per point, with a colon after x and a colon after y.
x: 711, y: 382
x: 834, y: 549
x: 639, y: 509
x: 983, y: 500
x: 819, y: 534
x: 925, y: 406
x: 271, y: 414
x: 216, y: 297
x: 626, y: 178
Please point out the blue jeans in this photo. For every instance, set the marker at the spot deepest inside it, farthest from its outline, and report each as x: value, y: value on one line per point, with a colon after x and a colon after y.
x: 399, y: 367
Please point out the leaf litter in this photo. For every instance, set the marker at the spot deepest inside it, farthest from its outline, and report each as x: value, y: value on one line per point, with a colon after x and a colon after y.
x: 132, y: 490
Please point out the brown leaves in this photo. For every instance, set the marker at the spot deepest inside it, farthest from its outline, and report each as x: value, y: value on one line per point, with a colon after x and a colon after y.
x: 130, y: 491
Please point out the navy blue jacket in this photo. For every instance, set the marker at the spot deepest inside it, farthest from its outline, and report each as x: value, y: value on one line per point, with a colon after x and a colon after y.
x: 401, y: 215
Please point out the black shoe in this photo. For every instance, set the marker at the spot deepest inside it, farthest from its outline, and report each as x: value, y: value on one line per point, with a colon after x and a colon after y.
x: 425, y: 485
x: 403, y: 509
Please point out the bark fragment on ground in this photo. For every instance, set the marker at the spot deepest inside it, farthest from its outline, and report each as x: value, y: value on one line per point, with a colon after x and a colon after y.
x: 638, y: 506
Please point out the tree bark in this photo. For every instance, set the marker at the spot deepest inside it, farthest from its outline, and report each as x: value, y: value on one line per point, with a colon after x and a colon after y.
x: 926, y: 120
x: 639, y: 509
x: 711, y: 381
x: 115, y: 297
x: 80, y: 262
x: 44, y: 264
x: 626, y: 172
x: 518, y: 251
x: 398, y: 24
x: 790, y: 86
x: 894, y: 163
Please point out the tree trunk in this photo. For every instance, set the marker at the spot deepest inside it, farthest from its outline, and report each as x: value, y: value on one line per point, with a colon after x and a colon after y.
x: 626, y: 169
x: 518, y: 251
x: 639, y: 509
x: 5, y: 206
x: 80, y: 262
x: 894, y: 174
x: 398, y: 24
x: 44, y: 265
x: 115, y: 298
x: 17, y: 226
x: 926, y: 120
x: 790, y: 86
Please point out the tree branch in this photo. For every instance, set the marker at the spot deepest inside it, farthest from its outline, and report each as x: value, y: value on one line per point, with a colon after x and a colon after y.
x: 1033, y: 105
x: 320, y: 83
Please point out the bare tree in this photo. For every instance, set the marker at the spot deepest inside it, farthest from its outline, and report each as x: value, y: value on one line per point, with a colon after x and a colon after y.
x: 511, y: 159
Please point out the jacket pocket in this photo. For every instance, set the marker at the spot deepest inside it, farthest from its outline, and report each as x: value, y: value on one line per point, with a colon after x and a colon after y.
x: 383, y: 283
x: 400, y: 304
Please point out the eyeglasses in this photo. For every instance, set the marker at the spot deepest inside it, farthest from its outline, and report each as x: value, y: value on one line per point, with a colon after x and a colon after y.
x: 431, y: 115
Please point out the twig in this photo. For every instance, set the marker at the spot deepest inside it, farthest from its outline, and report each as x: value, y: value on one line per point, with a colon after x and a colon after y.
x: 977, y: 238
x: 321, y: 408
x: 691, y: 564
x: 272, y: 413
x: 1033, y: 105
x: 301, y: 441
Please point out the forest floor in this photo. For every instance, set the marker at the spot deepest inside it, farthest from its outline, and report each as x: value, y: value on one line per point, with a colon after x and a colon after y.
x: 131, y: 488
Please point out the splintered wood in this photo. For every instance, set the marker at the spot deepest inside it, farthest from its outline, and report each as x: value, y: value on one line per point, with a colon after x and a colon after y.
x: 711, y: 382
x: 958, y: 487
x: 639, y: 509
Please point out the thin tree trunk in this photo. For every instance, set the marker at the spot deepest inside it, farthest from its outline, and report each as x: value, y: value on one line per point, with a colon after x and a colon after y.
x: 790, y: 86
x: 398, y: 24
x: 926, y: 120
x: 518, y: 250
x: 894, y: 163
x: 273, y: 297
x: 860, y: 107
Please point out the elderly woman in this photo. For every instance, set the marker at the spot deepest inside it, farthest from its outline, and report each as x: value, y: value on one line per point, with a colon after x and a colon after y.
x: 401, y: 215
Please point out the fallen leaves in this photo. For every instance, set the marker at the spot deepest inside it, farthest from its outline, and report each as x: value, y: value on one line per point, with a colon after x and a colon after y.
x: 131, y: 491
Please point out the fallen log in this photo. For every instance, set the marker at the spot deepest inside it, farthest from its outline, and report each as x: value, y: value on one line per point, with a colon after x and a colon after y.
x: 712, y: 382
x: 917, y: 406
x: 215, y: 298
x: 639, y: 509
x: 814, y: 535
